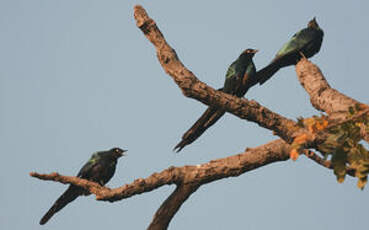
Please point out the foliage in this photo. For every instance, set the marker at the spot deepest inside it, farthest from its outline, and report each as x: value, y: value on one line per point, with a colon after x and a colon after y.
x: 342, y: 143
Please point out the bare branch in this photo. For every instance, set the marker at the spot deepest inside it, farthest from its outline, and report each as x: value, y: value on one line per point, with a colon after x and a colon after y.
x: 204, y: 173
x: 322, y: 96
x: 169, y: 208
x: 93, y: 187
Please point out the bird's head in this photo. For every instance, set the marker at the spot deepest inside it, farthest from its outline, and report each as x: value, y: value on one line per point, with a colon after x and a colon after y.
x: 118, y: 152
x: 313, y: 24
x: 249, y: 52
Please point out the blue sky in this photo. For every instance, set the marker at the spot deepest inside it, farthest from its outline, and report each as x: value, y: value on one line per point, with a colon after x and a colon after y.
x: 78, y: 76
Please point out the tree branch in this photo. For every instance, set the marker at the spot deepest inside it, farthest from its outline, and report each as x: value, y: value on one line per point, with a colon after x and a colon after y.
x: 169, y: 208
x: 322, y: 96
x: 92, y: 187
x: 325, y: 163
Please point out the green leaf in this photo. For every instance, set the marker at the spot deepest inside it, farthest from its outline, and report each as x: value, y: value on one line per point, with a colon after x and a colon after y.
x: 351, y: 110
x: 339, y: 165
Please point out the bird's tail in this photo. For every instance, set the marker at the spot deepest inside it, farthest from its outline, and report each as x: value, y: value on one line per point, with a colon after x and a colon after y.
x: 207, y: 119
x: 267, y: 72
x: 68, y: 196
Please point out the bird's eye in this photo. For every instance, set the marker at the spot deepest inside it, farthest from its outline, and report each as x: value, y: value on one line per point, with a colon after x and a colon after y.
x: 117, y: 150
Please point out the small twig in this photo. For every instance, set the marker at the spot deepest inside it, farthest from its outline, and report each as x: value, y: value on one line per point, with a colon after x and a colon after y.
x: 302, y: 55
x: 325, y: 163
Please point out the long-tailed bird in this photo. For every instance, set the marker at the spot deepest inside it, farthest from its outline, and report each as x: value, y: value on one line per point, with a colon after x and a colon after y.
x: 100, y: 168
x: 307, y: 42
x: 239, y: 78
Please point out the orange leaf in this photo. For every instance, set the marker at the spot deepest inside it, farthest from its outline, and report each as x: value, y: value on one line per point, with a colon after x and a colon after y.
x: 294, y: 154
x: 311, y: 128
x: 325, y: 123
x: 321, y: 125
x: 300, y: 139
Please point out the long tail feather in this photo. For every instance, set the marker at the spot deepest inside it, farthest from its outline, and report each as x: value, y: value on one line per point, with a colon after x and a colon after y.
x: 68, y: 196
x: 267, y: 72
x: 207, y: 119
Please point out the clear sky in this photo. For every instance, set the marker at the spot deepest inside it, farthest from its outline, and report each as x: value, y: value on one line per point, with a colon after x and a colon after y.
x: 79, y: 76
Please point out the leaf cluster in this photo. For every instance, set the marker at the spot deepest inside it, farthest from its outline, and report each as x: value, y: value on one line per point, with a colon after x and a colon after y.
x: 342, y: 144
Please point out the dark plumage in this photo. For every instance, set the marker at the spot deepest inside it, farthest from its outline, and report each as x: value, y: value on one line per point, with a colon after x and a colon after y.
x: 239, y: 78
x: 100, y: 168
x: 307, y: 42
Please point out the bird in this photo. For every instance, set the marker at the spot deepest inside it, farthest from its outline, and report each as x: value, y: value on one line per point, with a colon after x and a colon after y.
x: 239, y: 78
x: 100, y: 169
x: 306, y: 42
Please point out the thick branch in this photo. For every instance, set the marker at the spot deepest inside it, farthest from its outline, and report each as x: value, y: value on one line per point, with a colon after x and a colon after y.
x: 322, y: 96
x: 171, y: 205
x: 205, y: 173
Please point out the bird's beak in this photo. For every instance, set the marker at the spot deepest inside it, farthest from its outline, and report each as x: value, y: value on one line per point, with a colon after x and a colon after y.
x: 255, y: 51
x: 123, y: 153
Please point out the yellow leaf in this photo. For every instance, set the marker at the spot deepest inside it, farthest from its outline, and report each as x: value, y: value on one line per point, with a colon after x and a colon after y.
x: 358, y: 124
x: 340, y: 179
x: 361, y: 183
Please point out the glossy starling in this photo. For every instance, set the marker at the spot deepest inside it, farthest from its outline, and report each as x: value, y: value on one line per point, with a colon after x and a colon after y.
x: 100, y: 168
x: 239, y: 78
x: 307, y: 42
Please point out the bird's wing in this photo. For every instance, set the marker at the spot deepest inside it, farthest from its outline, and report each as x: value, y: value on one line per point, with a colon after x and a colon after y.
x: 232, y: 80
x: 297, y: 42
x: 231, y: 70
x: 87, y: 169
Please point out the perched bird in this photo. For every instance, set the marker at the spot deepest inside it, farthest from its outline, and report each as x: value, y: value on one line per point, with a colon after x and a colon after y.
x: 307, y: 42
x: 100, y: 168
x: 239, y: 78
